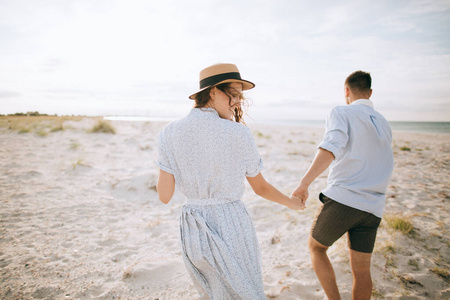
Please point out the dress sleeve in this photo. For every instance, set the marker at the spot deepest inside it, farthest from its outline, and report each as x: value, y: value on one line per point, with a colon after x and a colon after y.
x: 253, y: 161
x: 336, y: 133
x: 163, y: 161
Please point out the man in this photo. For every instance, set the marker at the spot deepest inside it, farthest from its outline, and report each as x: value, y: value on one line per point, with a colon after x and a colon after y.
x: 357, y: 147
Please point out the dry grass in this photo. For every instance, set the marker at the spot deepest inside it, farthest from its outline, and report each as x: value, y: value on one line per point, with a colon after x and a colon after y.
x: 36, y: 124
x: 75, y: 146
x: 58, y: 127
x: 42, y: 132
x: 24, y: 130
x: 103, y: 127
x: 388, y: 252
x: 79, y: 163
x: 442, y: 272
x: 377, y: 294
x: 414, y: 264
x: 261, y: 135
x: 400, y: 223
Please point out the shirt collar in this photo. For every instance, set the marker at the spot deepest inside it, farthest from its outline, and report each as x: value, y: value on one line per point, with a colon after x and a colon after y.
x: 363, y: 101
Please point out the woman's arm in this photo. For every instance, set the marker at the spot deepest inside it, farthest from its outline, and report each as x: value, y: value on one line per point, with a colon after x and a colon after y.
x: 264, y: 189
x: 165, y: 186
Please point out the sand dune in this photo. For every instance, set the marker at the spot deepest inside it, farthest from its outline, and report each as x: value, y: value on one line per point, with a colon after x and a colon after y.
x: 80, y: 218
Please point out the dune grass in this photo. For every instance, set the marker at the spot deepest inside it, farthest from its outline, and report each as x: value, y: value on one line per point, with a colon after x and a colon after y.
x: 400, y: 223
x: 24, y: 130
x: 75, y: 146
x: 42, y: 132
x: 58, y: 127
x: 388, y: 252
x: 103, y: 126
x: 78, y: 163
x: 442, y: 272
x: 35, y: 124
x: 414, y: 263
x: 261, y: 135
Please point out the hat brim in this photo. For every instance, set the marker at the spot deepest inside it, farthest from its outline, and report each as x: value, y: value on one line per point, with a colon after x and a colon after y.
x: 246, y: 85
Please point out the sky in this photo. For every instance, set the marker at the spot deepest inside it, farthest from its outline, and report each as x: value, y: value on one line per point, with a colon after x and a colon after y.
x: 143, y: 58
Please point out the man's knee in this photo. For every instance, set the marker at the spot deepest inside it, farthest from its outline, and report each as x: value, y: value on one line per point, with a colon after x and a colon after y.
x: 316, y: 247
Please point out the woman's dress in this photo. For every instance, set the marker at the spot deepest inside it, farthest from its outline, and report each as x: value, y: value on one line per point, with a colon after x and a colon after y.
x: 210, y: 158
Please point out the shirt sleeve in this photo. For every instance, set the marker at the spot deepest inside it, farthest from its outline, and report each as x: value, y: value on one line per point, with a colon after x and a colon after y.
x: 163, y: 161
x: 336, y: 133
x: 253, y: 161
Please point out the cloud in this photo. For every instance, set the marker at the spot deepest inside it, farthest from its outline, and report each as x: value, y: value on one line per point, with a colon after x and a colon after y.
x: 9, y: 94
x: 144, y: 53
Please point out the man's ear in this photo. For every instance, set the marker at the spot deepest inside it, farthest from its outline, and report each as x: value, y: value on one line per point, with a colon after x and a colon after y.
x: 370, y: 93
x: 347, y: 91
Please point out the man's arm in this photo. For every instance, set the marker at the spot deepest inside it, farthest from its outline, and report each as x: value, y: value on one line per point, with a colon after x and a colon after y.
x: 165, y: 186
x: 320, y: 163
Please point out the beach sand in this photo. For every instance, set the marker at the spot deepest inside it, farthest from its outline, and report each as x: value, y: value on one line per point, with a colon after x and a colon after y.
x: 80, y: 217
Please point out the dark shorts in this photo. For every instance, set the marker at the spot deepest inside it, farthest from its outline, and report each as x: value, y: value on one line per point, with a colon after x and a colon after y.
x: 334, y: 219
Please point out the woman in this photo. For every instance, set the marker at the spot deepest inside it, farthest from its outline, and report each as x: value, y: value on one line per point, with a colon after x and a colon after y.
x: 207, y: 156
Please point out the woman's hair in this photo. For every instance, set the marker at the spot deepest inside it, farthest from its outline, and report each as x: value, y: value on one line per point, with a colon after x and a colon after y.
x: 202, y: 99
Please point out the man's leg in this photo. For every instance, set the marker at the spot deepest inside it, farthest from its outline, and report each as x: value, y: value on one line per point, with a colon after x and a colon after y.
x: 323, y: 268
x: 362, y: 281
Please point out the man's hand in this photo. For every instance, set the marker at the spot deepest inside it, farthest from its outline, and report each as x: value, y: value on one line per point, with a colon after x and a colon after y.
x: 301, y: 192
x: 296, y: 203
x: 320, y: 163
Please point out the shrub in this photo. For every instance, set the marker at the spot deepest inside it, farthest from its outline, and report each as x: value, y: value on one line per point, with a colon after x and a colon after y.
x: 400, y: 223
x: 24, y: 130
x: 42, y: 132
x: 104, y: 127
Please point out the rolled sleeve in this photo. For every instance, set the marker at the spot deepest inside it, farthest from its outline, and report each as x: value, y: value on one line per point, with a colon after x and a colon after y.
x: 163, y: 161
x: 336, y: 134
x: 254, y: 169
x: 253, y: 161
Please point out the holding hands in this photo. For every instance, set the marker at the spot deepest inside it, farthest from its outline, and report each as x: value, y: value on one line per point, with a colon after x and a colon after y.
x: 296, y: 203
x: 301, y: 193
x: 321, y: 162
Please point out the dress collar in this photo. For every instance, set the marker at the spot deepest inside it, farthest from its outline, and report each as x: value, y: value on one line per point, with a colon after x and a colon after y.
x: 363, y: 101
x: 205, y: 111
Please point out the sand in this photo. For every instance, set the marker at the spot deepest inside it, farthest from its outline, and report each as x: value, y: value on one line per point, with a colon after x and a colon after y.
x: 80, y: 217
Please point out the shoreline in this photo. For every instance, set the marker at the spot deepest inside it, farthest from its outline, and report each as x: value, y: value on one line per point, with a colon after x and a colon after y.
x: 438, y: 127
x: 400, y: 126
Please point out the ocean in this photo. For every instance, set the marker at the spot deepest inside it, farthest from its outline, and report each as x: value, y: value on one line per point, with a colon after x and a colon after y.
x: 426, y: 127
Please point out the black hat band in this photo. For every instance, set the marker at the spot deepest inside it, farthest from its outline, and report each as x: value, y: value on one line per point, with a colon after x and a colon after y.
x: 210, y: 81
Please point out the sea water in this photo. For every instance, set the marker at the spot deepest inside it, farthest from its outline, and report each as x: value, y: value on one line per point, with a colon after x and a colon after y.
x: 427, y: 127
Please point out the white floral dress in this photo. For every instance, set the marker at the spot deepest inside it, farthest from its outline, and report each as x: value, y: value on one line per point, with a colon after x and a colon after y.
x: 210, y: 158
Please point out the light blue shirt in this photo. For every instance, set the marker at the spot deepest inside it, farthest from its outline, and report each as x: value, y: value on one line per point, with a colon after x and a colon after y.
x: 360, y: 139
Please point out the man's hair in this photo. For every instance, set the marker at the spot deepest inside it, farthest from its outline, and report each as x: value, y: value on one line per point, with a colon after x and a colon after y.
x: 359, y: 82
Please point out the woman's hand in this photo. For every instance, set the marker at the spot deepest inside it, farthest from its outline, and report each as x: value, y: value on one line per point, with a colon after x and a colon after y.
x: 296, y: 203
x: 264, y: 189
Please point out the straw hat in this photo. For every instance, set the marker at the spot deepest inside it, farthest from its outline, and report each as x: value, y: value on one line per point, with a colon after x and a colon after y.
x: 221, y: 73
